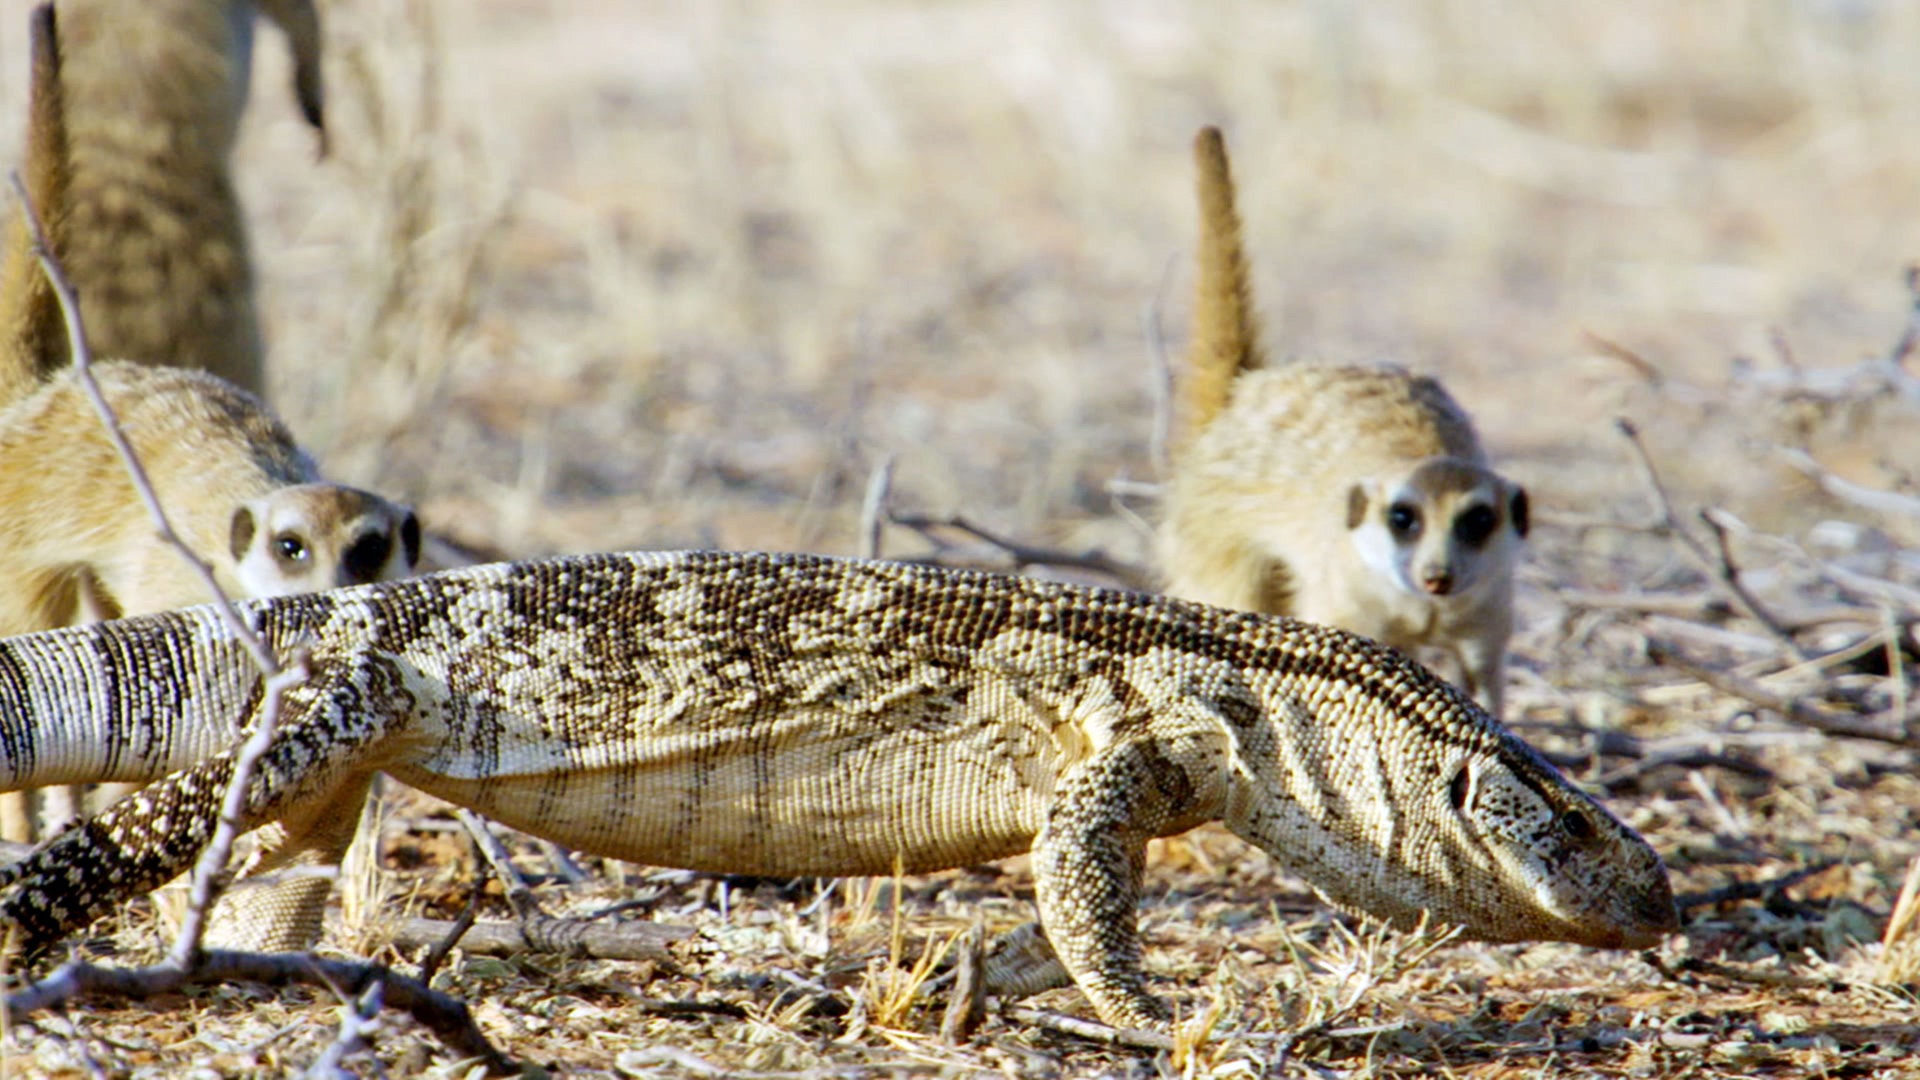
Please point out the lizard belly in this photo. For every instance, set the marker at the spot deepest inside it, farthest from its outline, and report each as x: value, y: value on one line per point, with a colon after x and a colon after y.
x: 812, y: 792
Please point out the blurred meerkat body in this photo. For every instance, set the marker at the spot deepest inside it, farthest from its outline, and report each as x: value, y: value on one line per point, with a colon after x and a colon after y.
x: 1352, y: 495
x: 134, y: 184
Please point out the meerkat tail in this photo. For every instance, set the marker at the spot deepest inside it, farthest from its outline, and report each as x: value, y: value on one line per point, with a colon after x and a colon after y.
x: 1225, y: 339
x: 34, y: 334
x: 300, y: 21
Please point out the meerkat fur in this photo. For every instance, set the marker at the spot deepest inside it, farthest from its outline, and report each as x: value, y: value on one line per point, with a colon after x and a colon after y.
x: 74, y: 521
x: 76, y: 545
x: 135, y: 109
x: 1353, y: 495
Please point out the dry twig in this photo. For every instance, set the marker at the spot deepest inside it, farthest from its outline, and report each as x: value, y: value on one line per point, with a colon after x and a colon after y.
x: 1022, y: 555
x: 1722, y: 569
x: 1793, y: 709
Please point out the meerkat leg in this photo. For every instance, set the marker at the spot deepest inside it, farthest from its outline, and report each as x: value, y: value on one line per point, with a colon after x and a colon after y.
x: 1483, y: 668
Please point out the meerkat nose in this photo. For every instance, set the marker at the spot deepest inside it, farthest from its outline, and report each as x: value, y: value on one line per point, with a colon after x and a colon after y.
x: 1437, y: 580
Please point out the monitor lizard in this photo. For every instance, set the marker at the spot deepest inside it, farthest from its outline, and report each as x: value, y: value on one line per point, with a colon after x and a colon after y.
x: 805, y: 715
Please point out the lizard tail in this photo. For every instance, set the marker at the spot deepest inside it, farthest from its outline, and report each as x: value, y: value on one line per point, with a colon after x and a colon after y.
x: 33, y: 336
x: 1225, y: 335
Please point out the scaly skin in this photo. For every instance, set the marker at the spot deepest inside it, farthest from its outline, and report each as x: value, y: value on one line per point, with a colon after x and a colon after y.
x: 792, y: 715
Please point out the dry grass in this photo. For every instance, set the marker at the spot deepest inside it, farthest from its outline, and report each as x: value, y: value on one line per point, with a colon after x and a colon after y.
x: 605, y: 274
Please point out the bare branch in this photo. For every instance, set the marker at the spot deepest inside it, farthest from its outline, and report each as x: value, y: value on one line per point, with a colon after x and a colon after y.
x: 873, y: 508
x: 583, y: 937
x: 1722, y: 568
x: 358, y: 1019
x: 1793, y: 709
x: 211, y: 867
x: 1090, y: 1030
x: 1160, y: 439
x: 1889, y: 503
x: 1024, y: 555
x: 446, y: 1016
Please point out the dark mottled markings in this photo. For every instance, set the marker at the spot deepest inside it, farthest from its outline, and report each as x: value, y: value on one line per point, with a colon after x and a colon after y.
x: 16, y: 723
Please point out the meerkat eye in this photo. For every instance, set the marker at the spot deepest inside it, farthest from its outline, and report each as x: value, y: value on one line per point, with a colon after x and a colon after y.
x: 1475, y: 526
x: 290, y: 547
x: 1403, y: 520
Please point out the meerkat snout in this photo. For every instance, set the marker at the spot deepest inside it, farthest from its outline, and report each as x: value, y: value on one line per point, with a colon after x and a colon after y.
x: 321, y: 536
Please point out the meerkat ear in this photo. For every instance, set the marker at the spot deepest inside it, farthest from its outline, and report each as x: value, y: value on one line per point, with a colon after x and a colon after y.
x: 410, y: 539
x: 1517, y: 510
x: 1356, y: 506
x: 240, y: 536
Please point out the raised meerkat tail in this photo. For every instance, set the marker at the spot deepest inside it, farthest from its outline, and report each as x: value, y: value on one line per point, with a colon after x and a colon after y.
x: 1226, y: 336
x: 300, y: 21
x: 34, y: 334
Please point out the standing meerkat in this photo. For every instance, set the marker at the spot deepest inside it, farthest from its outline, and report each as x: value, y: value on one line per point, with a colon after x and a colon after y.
x: 149, y: 226
x: 1352, y: 495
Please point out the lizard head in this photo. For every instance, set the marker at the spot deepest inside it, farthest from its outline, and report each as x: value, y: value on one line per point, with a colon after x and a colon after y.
x: 1395, y: 795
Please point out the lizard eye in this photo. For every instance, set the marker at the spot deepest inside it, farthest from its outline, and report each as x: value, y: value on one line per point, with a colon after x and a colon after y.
x: 290, y: 547
x: 1577, y: 825
x: 1403, y: 520
x: 1458, y: 789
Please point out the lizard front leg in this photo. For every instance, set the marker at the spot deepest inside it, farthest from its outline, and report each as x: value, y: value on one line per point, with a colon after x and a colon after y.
x: 1087, y: 863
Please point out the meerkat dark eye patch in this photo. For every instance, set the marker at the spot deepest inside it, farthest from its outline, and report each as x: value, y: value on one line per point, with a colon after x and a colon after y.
x: 1475, y: 525
x: 366, y: 557
x: 410, y: 540
x: 1517, y: 510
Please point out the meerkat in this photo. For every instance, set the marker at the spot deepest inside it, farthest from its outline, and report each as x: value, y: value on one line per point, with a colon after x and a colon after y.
x: 76, y: 542
x: 149, y: 227
x: 1353, y: 495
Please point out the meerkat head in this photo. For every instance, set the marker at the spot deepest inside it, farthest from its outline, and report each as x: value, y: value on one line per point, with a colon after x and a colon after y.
x: 1439, y: 529
x: 319, y: 536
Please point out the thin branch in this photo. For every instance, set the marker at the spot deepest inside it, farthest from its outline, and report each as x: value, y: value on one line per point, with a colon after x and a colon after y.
x: 358, y: 1019
x: 873, y: 508
x: 1721, y: 569
x: 1025, y: 555
x: 83, y: 371
x: 1090, y: 1030
x: 1792, y: 709
x: 446, y: 1016
x: 211, y: 867
x: 1160, y: 439
x: 1890, y: 503
x: 967, y: 1000
x: 1751, y: 890
x: 587, y: 938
